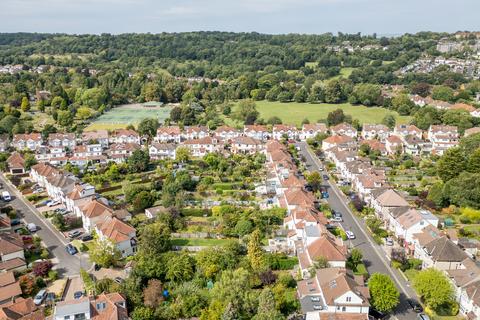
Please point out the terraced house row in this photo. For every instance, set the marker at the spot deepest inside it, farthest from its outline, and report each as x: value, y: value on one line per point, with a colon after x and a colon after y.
x: 330, y: 293
x: 415, y: 229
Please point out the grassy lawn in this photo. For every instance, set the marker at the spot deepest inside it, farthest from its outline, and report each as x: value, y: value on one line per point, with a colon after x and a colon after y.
x: 201, y: 242
x: 345, y: 72
x: 122, y: 116
x: 361, y: 270
x: 294, y: 113
x: 410, y: 274
x: 311, y: 64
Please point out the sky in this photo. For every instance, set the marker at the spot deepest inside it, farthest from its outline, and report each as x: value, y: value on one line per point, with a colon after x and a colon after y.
x: 384, y: 17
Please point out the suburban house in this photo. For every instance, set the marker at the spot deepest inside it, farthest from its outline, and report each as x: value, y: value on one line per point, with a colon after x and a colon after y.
x: 310, y: 131
x: 104, y: 306
x: 84, y: 154
x: 332, y: 293
x: 383, y: 200
x: 96, y: 137
x: 21, y: 309
x: 121, y: 234
x: 375, y: 131
x: 16, y: 163
x: 124, y: 136
x: 195, y: 132
x: 338, y: 141
x: 440, y: 253
x: 81, y: 194
x: 203, y: 146
x: 168, y: 134
x: 62, y: 140
x: 9, y: 288
x: 246, y: 145
x: 162, y: 150
x: 413, y: 145
x: 153, y: 212
x: 375, y: 145
x: 51, y: 155
x: 281, y: 131
x: 403, y: 130
x: 442, y: 137
x: 256, y: 131
x: 56, y: 182
x: 94, y: 212
x: 344, y: 129
x: 12, y: 257
x: 4, y: 142
x: 393, y: 145
x: 410, y: 222
x: 29, y: 141
x: 466, y: 281
x: 119, y: 152
x: 227, y: 134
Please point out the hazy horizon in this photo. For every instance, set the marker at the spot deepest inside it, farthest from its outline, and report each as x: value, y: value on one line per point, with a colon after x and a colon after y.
x: 384, y: 17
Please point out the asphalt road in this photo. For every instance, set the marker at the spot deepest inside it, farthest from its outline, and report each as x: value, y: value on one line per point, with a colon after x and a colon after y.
x: 374, y: 256
x: 64, y: 263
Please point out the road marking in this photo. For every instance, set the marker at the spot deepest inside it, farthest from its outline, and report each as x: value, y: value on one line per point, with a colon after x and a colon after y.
x: 380, y: 256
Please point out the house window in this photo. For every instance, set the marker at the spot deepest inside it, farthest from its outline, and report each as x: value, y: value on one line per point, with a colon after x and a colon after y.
x: 349, y: 299
x: 80, y: 316
x: 344, y: 309
x: 66, y: 318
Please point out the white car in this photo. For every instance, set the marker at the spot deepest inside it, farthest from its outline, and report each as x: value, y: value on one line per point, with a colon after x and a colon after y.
x: 350, y: 234
x: 32, y: 227
x: 53, y: 203
x: 6, y: 196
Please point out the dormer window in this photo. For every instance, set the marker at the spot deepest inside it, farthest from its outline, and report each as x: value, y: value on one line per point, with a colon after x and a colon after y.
x: 101, y: 306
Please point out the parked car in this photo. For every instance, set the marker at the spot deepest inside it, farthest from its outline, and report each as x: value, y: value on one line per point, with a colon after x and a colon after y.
x: 417, y: 307
x: 350, y: 234
x: 74, y: 234
x: 389, y: 241
x: 87, y: 237
x: 32, y: 227
x: 317, y: 307
x: 315, y: 299
x: 375, y: 314
x: 38, y: 190
x: 118, y: 280
x: 78, y: 295
x: 15, y: 222
x: 50, y: 299
x: 41, y: 295
x: 62, y: 211
x: 71, y: 249
x: 337, y: 219
x: 6, y: 196
x: 423, y: 316
x: 53, y: 203
x: 325, y: 195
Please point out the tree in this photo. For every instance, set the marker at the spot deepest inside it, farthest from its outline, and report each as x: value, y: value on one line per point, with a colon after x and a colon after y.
x: 335, y: 117
x: 474, y: 161
x: 403, y: 105
x: 451, y: 164
x: 154, y: 239
x: 385, y: 296
x: 314, y: 179
x: 138, y: 161
x: 25, y: 106
x: 460, y: 118
x: 42, y: 268
x: 443, y: 93
x: 367, y: 94
x: 464, y: 190
x: 266, y: 307
x: 255, y: 252
x: 421, y: 88
x: 104, y: 253
x: 182, y: 154
x: 84, y: 113
x: 389, y: 120
x: 148, y: 127
x: 143, y: 313
x: 143, y: 200
x: 176, y: 114
x: 153, y: 293
x: 433, y: 287
x: 180, y: 267
x: 64, y: 118
x: 274, y: 120
x: 301, y: 95
x: 27, y: 284
x: 355, y: 258
x: 435, y: 194
x: 246, y: 110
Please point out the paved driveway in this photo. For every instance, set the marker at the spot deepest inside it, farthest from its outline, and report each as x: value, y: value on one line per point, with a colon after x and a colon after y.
x: 65, y: 264
x: 373, y: 255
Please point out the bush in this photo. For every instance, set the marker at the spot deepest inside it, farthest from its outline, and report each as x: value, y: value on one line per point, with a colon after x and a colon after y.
x: 281, y: 262
x: 42, y: 268
x: 196, y: 212
x: 44, y: 254
x: 40, y: 283
x: 52, y: 275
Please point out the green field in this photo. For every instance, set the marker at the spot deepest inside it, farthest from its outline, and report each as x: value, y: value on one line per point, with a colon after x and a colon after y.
x: 294, y: 113
x: 345, y: 72
x: 121, y: 116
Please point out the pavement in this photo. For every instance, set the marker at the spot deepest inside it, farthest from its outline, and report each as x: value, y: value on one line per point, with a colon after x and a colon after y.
x: 64, y: 263
x: 375, y: 259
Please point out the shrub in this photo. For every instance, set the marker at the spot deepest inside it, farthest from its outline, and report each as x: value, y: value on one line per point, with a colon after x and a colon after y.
x: 40, y: 283
x: 52, y: 275
x: 42, y: 268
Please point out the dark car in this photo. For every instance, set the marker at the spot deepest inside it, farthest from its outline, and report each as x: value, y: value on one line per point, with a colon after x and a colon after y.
x: 97, y: 267
x: 375, y: 314
x: 325, y: 177
x: 71, y: 249
x: 77, y: 295
x: 87, y: 237
x: 417, y: 307
x: 50, y: 299
x: 15, y: 222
